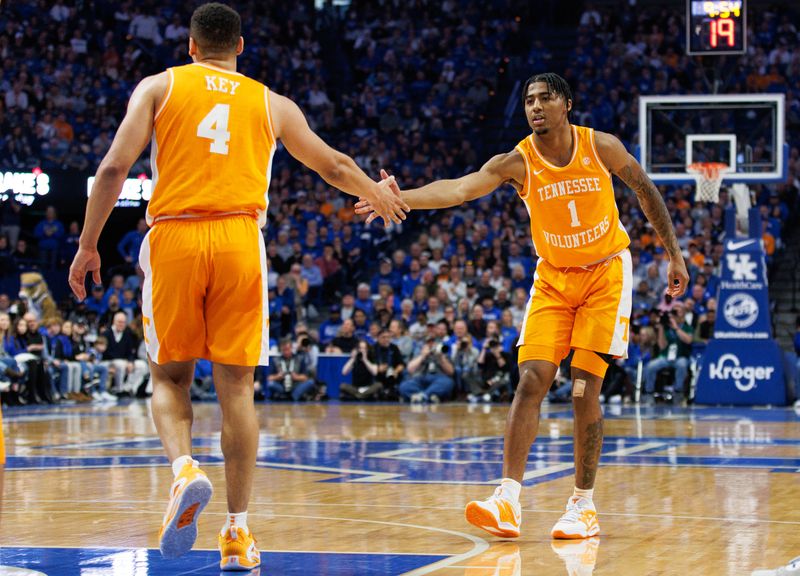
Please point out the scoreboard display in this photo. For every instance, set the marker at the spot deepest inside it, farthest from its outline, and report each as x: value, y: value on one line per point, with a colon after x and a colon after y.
x: 716, y: 27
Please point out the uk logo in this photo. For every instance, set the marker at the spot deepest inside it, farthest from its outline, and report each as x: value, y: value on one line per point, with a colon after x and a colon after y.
x: 742, y: 266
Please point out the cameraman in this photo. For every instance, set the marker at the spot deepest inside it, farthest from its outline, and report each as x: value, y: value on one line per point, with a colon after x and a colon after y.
x: 365, y: 370
x: 390, y: 364
x: 432, y: 372
x: 495, y: 372
x: 290, y: 375
x: 465, y: 358
x: 674, y: 339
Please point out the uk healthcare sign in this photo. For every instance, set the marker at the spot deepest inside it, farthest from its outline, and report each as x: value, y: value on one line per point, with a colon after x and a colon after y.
x: 742, y: 364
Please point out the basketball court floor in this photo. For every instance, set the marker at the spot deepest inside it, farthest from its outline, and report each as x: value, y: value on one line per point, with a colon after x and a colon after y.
x: 359, y: 489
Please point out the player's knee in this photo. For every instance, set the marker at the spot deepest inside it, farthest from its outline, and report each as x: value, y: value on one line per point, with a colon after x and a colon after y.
x: 533, y: 385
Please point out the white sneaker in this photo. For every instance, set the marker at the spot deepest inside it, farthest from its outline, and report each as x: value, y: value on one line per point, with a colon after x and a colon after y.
x: 487, y: 398
x: 472, y: 398
x: 434, y: 399
x: 108, y: 397
x: 417, y: 398
x: 97, y: 397
x: 791, y: 569
x: 579, y: 521
x: 497, y: 515
x: 579, y: 556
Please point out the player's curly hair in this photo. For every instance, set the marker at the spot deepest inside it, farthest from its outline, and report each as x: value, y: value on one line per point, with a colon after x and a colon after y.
x: 216, y: 28
x: 555, y: 83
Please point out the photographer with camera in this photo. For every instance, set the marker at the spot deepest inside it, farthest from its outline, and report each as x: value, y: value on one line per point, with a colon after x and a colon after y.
x: 431, y: 374
x: 290, y: 375
x: 465, y: 357
x: 495, y: 372
x: 365, y: 370
x: 674, y: 339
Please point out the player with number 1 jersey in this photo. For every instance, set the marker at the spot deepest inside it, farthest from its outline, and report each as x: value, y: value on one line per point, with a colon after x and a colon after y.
x: 581, y: 295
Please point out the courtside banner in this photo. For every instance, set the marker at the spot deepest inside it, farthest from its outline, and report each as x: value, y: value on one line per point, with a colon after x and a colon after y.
x: 743, y: 305
x: 741, y: 372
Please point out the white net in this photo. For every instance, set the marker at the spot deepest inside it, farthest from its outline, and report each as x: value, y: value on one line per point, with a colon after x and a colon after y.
x: 708, y: 178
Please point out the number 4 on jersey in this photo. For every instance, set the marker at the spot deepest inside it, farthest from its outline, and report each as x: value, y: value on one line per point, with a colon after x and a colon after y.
x: 214, y: 127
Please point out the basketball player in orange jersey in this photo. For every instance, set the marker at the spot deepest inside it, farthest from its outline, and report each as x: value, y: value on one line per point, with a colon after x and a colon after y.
x: 213, y: 132
x: 581, y: 294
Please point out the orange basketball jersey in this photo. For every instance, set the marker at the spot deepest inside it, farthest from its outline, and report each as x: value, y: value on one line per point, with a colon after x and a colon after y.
x: 212, y: 145
x: 574, y: 218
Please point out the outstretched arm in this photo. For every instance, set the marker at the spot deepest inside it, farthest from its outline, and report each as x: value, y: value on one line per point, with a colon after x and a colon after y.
x: 503, y: 168
x: 336, y: 169
x: 131, y: 138
x: 622, y: 164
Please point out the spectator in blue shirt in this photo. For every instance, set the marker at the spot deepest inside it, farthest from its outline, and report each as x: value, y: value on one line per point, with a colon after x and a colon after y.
x: 49, y: 233
x: 313, y: 275
x: 411, y: 279
x: 96, y: 302
x: 330, y: 328
x: 130, y: 244
x: 386, y: 275
x: 364, y: 299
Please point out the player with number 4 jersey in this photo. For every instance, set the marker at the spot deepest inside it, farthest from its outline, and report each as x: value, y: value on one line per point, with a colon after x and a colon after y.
x: 580, y: 300
x: 213, y: 133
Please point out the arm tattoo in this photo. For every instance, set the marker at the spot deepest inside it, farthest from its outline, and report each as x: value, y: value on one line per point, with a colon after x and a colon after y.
x: 653, y: 206
x: 592, y: 443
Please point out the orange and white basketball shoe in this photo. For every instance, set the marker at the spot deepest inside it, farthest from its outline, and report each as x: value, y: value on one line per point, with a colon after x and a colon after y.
x: 579, y: 521
x: 189, y: 494
x: 237, y: 549
x: 497, y: 515
x: 579, y: 556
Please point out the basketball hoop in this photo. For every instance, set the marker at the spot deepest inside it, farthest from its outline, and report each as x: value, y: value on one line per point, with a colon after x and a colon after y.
x: 708, y: 178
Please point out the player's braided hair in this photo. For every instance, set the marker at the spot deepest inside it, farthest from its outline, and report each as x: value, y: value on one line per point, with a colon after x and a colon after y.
x: 216, y: 28
x: 555, y: 83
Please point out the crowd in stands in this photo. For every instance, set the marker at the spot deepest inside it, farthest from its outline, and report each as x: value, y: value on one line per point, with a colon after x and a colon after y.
x: 427, y: 311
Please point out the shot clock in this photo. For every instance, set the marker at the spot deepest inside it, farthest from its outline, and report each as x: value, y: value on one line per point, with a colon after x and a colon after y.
x: 716, y: 27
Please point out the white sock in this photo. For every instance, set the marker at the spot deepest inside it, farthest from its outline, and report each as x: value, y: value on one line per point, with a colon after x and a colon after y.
x: 180, y: 462
x: 239, y: 520
x: 588, y: 493
x: 511, y: 489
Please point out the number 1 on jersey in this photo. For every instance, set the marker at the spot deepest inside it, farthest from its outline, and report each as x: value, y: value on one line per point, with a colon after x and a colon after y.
x: 214, y: 127
x: 573, y: 212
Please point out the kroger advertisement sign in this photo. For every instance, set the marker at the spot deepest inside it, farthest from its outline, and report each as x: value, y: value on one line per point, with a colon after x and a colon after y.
x: 741, y: 372
x: 742, y: 364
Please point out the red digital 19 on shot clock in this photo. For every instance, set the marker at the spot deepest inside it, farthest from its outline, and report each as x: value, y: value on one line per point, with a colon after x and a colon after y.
x: 716, y: 27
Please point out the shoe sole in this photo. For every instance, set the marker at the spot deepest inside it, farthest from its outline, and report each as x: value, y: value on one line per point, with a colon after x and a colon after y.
x: 561, y: 535
x: 231, y: 564
x: 486, y: 521
x: 179, y: 535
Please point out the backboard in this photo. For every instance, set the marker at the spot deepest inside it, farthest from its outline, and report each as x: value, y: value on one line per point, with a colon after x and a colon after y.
x: 745, y: 131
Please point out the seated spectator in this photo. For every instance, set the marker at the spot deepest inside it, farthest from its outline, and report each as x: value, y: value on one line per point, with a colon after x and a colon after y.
x: 345, y: 341
x: 430, y: 375
x: 330, y: 328
x: 361, y: 324
x: 400, y: 337
x: 674, y: 340
x: 94, y: 373
x: 363, y: 299
x: 476, y: 324
x: 705, y: 325
x: 121, y: 356
x: 332, y: 274
x: 289, y: 375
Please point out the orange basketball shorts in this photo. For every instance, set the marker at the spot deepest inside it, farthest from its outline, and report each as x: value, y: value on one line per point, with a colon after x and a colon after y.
x: 205, y: 291
x: 586, y: 308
